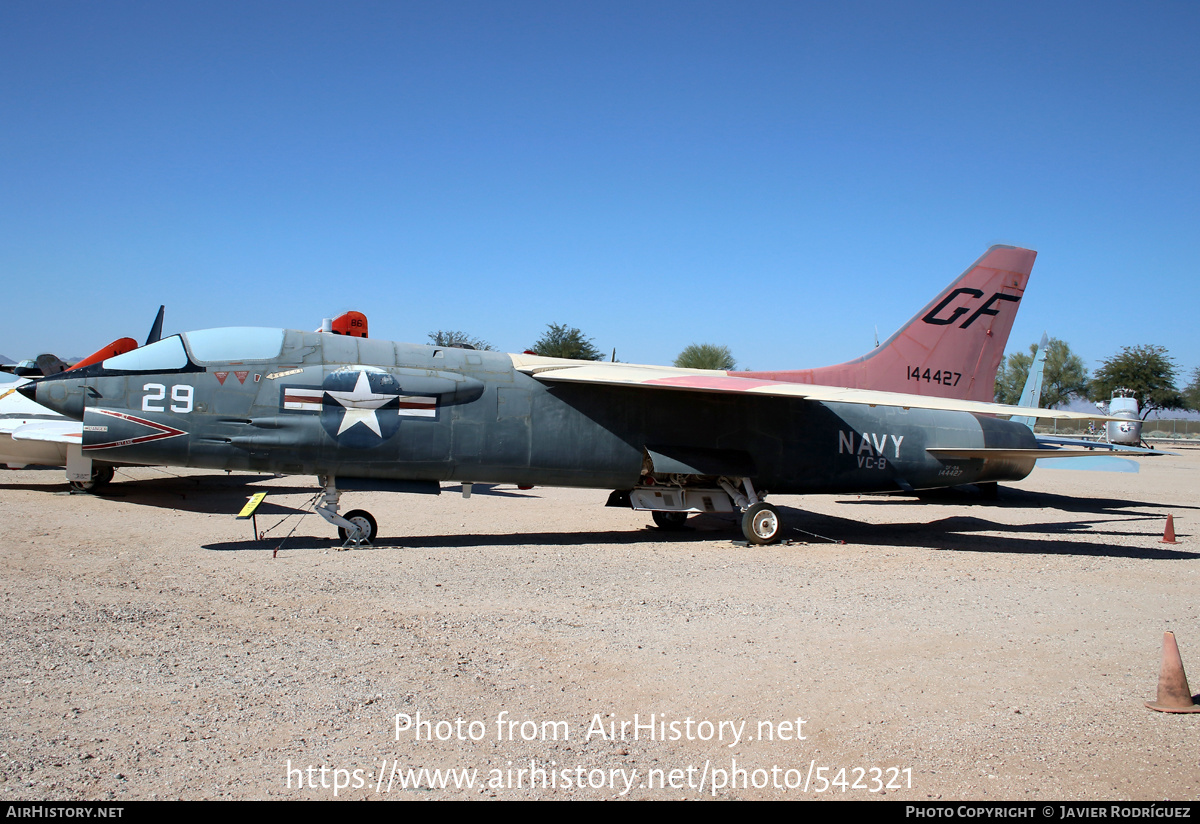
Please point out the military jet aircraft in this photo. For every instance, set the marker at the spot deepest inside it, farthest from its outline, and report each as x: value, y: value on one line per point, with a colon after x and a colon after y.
x: 363, y: 413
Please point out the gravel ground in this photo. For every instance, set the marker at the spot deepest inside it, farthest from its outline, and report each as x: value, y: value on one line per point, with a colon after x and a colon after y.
x: 946, y: 649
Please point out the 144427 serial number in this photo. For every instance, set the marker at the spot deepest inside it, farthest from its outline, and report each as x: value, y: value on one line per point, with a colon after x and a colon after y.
x: 943, y: 376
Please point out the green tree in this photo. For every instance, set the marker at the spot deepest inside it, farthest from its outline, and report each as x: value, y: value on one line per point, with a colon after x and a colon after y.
x: 706, y: 356
x: 1147, y: 371
x: 1191, y: 393
x: 454, y: 338
x: 562, y: 341
x: 1064, y: 377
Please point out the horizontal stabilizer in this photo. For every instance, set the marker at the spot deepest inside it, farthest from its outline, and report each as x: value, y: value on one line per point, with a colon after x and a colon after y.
x: 968, y: 454
x: 1098, y: 463
x: 1101, y: 446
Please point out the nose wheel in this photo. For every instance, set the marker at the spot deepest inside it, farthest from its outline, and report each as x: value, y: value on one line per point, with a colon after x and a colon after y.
x: 356, y: 528
x: 366, y: 528
x: 761, y: 524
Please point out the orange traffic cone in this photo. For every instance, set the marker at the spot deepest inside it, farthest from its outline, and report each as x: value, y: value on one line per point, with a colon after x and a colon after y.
x: 1169, y: 532
x: 1173, y: 692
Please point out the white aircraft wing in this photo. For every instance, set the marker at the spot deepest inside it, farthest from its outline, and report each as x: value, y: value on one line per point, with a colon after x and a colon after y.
x: 555, y: 370
x: 60, y: 431
x: 22, y: 422
x: 34, y: 421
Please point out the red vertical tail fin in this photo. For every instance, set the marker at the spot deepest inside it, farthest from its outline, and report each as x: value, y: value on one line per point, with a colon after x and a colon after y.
x: 951, y: 348
x: 350, y: 323
x: 117, y: 347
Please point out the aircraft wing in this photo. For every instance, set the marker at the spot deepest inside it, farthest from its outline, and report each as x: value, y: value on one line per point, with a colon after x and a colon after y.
x: 56, y: 431
x: 24, y: 420
x: 556, y: 370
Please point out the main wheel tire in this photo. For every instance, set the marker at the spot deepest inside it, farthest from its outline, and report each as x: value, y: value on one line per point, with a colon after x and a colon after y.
x: 761, y: 524
x: 100, y: 476
x: 670, y: 521
x: 364, y: 521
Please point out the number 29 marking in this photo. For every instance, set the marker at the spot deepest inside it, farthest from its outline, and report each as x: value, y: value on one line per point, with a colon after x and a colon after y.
x: 181, y: 397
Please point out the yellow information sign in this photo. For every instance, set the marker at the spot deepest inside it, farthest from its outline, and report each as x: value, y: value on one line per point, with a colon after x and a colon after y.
x: 251, y: 505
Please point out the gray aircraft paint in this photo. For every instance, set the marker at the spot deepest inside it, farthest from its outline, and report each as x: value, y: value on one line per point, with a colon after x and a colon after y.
x: 493, y: 423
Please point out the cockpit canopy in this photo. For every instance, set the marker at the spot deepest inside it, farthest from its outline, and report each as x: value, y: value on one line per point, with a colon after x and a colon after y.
x: 236, y: 344
x: 160, y: 356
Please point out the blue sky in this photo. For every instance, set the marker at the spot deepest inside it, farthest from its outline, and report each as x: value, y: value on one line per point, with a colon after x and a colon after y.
x: 781, y: 178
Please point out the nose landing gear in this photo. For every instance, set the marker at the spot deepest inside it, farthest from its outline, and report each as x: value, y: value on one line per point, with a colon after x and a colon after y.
x: 358, y: 527
x: 367, y: 528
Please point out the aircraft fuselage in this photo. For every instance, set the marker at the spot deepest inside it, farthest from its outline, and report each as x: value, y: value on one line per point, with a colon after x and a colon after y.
x: 330, y: 405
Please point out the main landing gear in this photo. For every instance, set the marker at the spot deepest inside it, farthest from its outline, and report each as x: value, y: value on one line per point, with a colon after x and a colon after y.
x: 357, y: 528
x: 760, y: 520
x: 100, y: 476
x: 670, y: 521
x: 760, y: 523
x: 671, y: 500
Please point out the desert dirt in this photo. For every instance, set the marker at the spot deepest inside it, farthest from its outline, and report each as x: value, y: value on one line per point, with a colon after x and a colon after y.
x: 948, y: 649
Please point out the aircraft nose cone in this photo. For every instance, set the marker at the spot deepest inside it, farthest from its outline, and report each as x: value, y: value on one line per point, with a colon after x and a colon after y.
x: 63, y: 396
x: 29, y: 390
